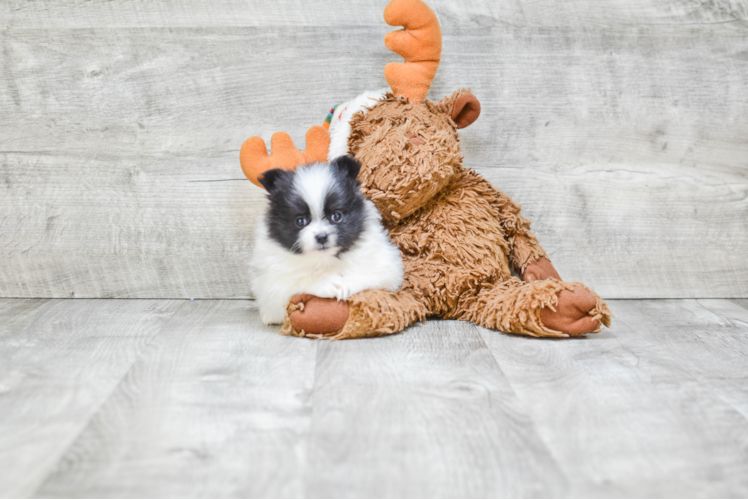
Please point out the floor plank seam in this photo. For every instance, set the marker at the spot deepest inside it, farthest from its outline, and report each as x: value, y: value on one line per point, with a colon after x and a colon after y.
x: 147, y: 347
x: 710, y: 383
x: 308, y: 438
x: 481, y: 332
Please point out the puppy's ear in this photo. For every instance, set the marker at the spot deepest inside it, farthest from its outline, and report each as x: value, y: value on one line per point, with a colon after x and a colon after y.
x: 269, y: 178
x: 348, y: 165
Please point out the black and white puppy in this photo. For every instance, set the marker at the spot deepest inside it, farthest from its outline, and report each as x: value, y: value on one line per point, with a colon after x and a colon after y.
x: 319, y: 236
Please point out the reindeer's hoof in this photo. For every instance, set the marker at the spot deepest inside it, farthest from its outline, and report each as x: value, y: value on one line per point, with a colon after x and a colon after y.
x: 541, y: 269
x: 318, y: 317
x: 572, y: 314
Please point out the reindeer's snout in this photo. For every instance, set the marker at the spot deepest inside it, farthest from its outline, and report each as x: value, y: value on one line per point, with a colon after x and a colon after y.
x: 418, y: 141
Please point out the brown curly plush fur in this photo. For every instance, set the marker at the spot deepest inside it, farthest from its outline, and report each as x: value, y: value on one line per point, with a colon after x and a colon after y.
x: 459, y: 236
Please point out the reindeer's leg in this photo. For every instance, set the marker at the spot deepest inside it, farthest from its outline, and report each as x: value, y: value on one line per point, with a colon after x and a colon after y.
x: 371, y: 313
x: 524, y: 248
x: 547, y: 308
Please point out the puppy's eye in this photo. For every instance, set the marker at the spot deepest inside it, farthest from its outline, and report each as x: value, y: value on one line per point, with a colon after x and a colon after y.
x: 336, y: 217
x: 300, y: 221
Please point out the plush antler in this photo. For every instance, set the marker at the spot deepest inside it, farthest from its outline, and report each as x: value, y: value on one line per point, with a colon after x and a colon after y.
x: 255, y: 160
x: 420, y: 44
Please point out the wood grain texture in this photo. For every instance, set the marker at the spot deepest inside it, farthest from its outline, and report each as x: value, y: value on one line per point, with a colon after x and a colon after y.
x: 191, y: 13
x: 480, y: 13
x: 589, y: 13
x: 640, y: 410
x: 741, y: 302
x: 617, y: 125
x: 154, y: 398
x: 218, y: 407
x: 59, y: 362
x: 423, y: 414
x: 127, y: 229
x: 717, y: 355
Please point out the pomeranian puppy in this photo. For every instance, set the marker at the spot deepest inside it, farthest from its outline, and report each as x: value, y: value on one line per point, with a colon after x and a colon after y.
x: 321, y: 236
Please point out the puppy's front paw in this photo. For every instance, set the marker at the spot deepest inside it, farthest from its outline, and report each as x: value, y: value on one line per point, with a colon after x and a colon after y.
x: 275, y: 317
x: 342, y: 290
x: 331, y: 288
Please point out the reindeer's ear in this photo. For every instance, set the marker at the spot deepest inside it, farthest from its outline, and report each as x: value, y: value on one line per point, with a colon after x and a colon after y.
x: 462, y: 106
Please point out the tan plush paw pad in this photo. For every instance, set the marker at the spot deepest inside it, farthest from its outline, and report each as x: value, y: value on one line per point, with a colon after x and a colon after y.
x: 317, y: 317
x: 571, y: 315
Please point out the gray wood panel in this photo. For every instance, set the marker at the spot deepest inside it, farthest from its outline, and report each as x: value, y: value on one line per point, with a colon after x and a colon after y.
x: 720, y: 362
x: 423, y: 414
x: 190, y: 13
x: 219, y: 406
x: 59, y: 362
x: 478, y: 13
x: 590, y: 13
x: 617, y: 125
x: 128, y: 229
x: 741, y: 302
x: 641, y: 409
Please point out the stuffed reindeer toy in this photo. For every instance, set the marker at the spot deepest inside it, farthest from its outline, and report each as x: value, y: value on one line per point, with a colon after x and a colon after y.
x: 459, y: 236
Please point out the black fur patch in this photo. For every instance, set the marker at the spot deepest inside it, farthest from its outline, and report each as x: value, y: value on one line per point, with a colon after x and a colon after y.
x: 285, y: 206
x: 346, y: 198
x: 347, y: 165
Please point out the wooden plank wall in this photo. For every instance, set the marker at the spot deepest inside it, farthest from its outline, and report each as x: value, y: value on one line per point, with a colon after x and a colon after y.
x: 620, y: 126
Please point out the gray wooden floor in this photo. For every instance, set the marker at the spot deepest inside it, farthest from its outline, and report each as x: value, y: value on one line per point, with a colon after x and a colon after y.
x: 197, y: 398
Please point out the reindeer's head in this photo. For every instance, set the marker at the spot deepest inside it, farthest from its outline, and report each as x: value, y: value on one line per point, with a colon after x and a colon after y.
x: 408, y: 146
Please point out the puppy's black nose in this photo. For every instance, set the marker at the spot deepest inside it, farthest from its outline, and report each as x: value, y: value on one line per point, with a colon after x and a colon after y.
x: 321, y: 238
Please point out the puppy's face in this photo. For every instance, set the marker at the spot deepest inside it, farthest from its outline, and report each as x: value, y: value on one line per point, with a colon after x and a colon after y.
x: 317, y: 208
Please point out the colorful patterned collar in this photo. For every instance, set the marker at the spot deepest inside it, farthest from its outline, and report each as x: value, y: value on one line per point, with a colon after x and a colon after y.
x: 335, y: 109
